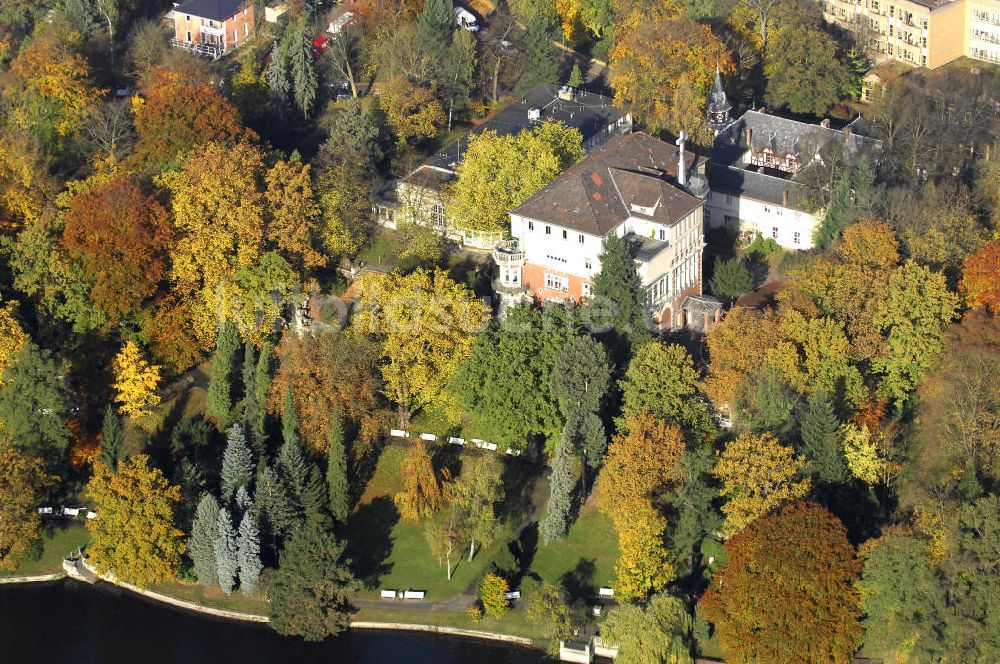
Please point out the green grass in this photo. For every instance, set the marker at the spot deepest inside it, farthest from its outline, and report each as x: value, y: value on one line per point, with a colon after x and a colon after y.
x: 381, y: 251
x: 515, y: 622
x: 57, y: 541
x: 583, y: 561
x: 213, y: 597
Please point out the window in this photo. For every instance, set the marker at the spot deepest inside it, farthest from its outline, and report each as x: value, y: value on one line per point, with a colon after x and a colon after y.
x: 246, y: 29
x: 236, y: 36
x: 581, y: 238
x: 548, y: 230
x: 663, y: 235
x: 729, y: 199
x: 187, y: 17
x: 556, y: 282
x: 531, y: 225
x: 565, y: 235
x: 588, y: 290
x: 189, y: 36
x: 587, y: 264
x: 767, y: 209
x: 797, y: 238
x: 774, y: 232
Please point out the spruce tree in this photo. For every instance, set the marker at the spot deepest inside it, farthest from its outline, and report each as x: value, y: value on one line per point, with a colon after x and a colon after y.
x: 262, y: 383
x: 248, y: 546
x: 336, y: 471
x: 219, y: 401
x: 243, y: 501
x: 112, y: 438
x: 300, y: 62
x: 237, y: 463
x: 539, y: 62
x: 619, y: 292
x: 556, y: 520
x: 201, y: 543
x: 289, y: 419
x: 821, y: 442
x: 226, y: 552
x: 575, y: 77
x: 304, y: 481
x: 277, y: 512
x: 437, y: 22
x: 279, y: 86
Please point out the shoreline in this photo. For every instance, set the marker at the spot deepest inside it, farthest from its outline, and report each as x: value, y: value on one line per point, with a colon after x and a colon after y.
x: 256, y: 618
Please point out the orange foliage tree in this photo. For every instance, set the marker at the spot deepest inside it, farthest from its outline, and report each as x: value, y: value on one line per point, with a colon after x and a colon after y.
x: 120, y: 236
x: 980, y: 283
x: 423, y: 491
x: 22, y: 481
x: 786, y: 592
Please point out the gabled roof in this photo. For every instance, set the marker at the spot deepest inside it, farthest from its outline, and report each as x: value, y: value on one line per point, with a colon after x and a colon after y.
x: 597, y: 194
x: 214, y: 10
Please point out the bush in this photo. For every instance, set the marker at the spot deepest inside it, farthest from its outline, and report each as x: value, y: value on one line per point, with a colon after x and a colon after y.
x: 491, y: 593
x: 761, y: 248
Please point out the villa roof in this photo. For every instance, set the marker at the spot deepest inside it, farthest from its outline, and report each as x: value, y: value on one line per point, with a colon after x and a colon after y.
x: 214, y: 10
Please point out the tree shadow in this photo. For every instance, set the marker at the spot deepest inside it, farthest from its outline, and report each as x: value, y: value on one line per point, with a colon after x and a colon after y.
x: 369, y: 539
x: 523, y: 550
x: 579, y: 582
x: 519, y: 479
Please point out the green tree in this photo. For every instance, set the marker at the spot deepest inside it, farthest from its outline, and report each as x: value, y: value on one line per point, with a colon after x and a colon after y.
x: 581, y: 376
x: 248, y: 553
x: 112, y: 438
x: 661, y: 379
x: 658, y: 632
x: 821, y: 440
x: 201, y: 543
x: 301, y: 69
x: 492, y: 589
x: 219, y: 401
x: 551, y: 609
x: 555, y: 523
x: 575, y: 79
x: 226, y: 552
x: 437, y: 22
x: 353, y: 140
x: 237, y: 463
x: 804, y: 71
x: 731, y: 279
x: 476, y: 493
x: 459, y: 67
x: 540, y: 65
x: 34, y: 406
x: 336, y: 471
x: 278, y: 517
x: 310, y: 595
x: 619, y: 306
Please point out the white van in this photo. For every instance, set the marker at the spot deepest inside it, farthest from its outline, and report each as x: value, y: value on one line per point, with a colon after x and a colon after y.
x: 466, y: 19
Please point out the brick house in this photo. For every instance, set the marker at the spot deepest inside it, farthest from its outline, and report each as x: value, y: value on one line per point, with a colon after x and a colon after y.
x: 212, y: 27
x: 633, y: 186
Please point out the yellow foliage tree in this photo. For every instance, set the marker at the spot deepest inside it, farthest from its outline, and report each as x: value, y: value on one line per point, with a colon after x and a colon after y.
x: 642, y: 567
x: 135, y: 383
x: 24, y: 181
x: 22, y: 481
x: 134, y: 536
x: 758, y: 474
x: 738, y: 347
x: 423, y: 492
x: 12, y: 337
x: 294, y: 213
x: 871, y: 456
x: 425, y: 324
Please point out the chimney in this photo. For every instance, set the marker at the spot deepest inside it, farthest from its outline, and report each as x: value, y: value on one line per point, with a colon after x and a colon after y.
x: 825, y: 124
x: 847, y: 134
x: 762, y: 110
x: 749, y: 136
x: 784, y: 198
x: 681, y: 175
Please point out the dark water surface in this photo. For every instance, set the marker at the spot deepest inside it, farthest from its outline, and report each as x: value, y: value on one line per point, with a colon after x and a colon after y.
x: 71, y: 623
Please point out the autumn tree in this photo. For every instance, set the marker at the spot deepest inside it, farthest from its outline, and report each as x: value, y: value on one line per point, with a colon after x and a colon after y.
x: 120, y: 235
x: 477, y: 493
x: 657, y: 632
x: 649, y: 59
x: 737, y: 348
x: 498, y: 173
x: 25, y: 184
x: 980, y: 283
x: 800, y: 569
x: 424, y: 324
x: 492, y: 591
x: 257, y: 296
x: 136, y: 381
x: 294, y: 214
x: 412, y: 111
x: 758, y: 474
x: 179, y: 111
x: 423, y: 490
x: 139, y: 546
x: 23, y: 481
x: 661, y: 380
x: 551, y: 609
x: 12, y: 336
x: 445, y: 534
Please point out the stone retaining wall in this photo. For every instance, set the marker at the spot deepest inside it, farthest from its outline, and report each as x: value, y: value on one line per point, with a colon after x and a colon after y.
x: 32, y: 579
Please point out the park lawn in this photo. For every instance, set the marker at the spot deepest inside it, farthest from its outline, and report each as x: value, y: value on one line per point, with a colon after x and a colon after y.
x: 382, y: 251
x: 583, y: 561
x: 213, y: 597
x: 57, y: 541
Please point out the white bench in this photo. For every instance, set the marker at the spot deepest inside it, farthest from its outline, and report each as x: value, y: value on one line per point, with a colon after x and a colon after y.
x: 606, y: 592
x: 71, y: 511
x: 490, y: 446
x: 91, y: 515
x: 514, y: 594
x: 414, y: 594
x: 398, y: 433
x: 45, y: 510
x: 387, y: 594
x: 456, y: 441
x: 478, y: 442
x: 428, y: 436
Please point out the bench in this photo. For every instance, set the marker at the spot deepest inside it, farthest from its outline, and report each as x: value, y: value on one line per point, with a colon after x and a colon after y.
x: 414, y: 594
x: 456, y: 441
x: 398, y: 433
x: 514, y: 594
x: 606, y: 592
x: 511, y: 451
x: 387, y: 594
x: 490, y: 446
x: 45, y: 510
x: 91, y: 515
x: 428, y: 436
x: 478, y: 442
x: 71, y: 511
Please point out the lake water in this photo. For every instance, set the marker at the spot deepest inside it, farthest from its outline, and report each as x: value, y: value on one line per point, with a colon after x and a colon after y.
x: 72, y: 623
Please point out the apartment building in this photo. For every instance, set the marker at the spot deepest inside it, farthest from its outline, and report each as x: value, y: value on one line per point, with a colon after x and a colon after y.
x: 924, y: 33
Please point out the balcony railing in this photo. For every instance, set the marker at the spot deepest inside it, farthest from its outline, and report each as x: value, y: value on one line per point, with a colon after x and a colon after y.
x: 213, y: 51
x: 508, y: 251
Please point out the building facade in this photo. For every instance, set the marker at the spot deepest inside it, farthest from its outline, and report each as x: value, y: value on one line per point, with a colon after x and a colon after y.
x: 925, y: 33
x: 636, y: 187
x: 212, y: 28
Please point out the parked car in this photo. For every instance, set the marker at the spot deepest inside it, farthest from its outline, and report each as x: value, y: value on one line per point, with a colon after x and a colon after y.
x: 466, y: 19
x: 320, y: 45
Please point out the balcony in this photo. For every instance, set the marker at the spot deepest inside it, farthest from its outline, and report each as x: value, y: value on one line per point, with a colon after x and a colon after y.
x: 508, y: 252
x: 213, y: 51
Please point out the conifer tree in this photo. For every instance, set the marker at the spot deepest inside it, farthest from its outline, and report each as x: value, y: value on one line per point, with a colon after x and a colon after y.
x: 278, y: 85
x: 277, y: 512
x: 300, y: 64
x: 201, y: 544
x: 289, y: 419
x: 304, y: 481
x: 618, y: 289
x: 243, y: 501
x: 248, y: 546
x: 556, y: 520
x: 226, y: 552
x: 219, y: 401
x: 336, y: 471
x: 539, y: 64
x: 112, y: 438
x: 257, y: 426
x: 237, y: 463
x: 821, y: 440
x: 575, y: 77
x: 437, y: 22
x: 252, y: 406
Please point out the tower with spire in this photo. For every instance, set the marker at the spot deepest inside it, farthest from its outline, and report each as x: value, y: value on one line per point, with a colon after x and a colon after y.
x: 717, y: 112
